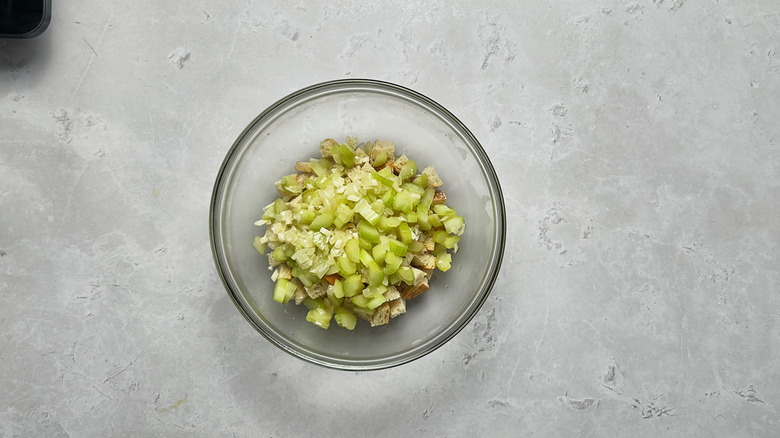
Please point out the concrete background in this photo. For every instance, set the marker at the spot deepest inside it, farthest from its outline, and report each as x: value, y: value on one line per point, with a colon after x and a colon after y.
x: 636, y: 142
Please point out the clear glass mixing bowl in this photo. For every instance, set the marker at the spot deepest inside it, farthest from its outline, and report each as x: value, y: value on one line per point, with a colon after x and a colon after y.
x: 290, y: 130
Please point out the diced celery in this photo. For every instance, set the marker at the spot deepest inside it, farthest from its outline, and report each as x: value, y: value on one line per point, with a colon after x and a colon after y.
x: 320, y: 268
x: 427, y: 199
x: 408, y: 170
x: 375, y: 274
x: 421, y: 181
x: 346, y: 266
x: 378, y: 253
x: 353, y: 285
x: 307, y: 216
x: 396, y: 247
x: 365, y: 258
x: 410, y: 217
x: 434, y: 220
x: 333, y: 299
x: 320, y: 167
x: 380, y: 159
x: 415, y: 246
x: 344, y: 318
x: 352, y: 250
x: 454, y: 225
x: 403, y: 201
x: 404, y: 232
x: 279, y: 254
x: 281, y: 290
x: 443, y: 211
x: 368, y: 232
x: 337, y: 289
x: 312, y: 303
x: 345, y: 155
x: 259, y: 245
x: 324, y: 220
x: 319, y: 317
x: 388, y: 197
x: 392, y: 263
x: 390, y: 222
x: 385, y: 180
x: 360, y: 300
x: 422, y: 219
x: 372, y: 291
x: 413, y: 188
x: 406, y: 274
x: 444, y: 261
x: 376, y: 301
x: 364, y: 209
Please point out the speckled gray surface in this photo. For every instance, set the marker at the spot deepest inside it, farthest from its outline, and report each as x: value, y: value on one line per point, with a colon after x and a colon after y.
x: 636, y: 142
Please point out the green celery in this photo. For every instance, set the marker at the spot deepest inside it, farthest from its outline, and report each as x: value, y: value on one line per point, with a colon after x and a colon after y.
x: 352, y: 250
x: 368, y: 232
x: 324, y: 220
x: 344, y: 318
x: 319, y: 317
x: 353, y: 285
x: 259, y: 246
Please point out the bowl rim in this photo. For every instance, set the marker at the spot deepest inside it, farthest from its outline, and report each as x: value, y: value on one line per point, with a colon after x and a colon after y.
x: 458, y: 126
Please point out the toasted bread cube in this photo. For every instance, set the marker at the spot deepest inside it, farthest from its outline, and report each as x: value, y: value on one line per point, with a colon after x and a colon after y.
x: 433, y: 177
x: 424, y: 261
x: 392, y: 293
x: 399, y: 163
x: 300, y: 292
x: 413, y: 291
x: 439, y: 197
x: 283, y: 271
x: 387, y: 147
x: 303, y: 166
x: 397, y: 307
x: 381, y: 315
x: 326, y: 147
x: 317, y: 290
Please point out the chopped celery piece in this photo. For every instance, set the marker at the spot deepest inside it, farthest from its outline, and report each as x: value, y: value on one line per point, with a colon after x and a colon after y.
x: 365, y: 258
x: 403, y: 201
x: 414, y: 189
x: 378, y: 253
x: 375, y: 274
x: 427, y: 199
x: 416, y: 246
x: 346, y: 266
x: 345, y: 319
x: 406, y: 274
x: 390, y: 222
x: 345, y: 155
x: 454, y: 225
x: 408, y: 170
x: 380, y: 159
x: 404, y: 232
x: 392, y: 263
x: 434, y: 220
x: 324, y: 220
x: 368, y: 232
x: 443, y: 211
x: 320, y: 167
x: 422, y: 219
x: 375, y: 302
x: 352, y: 250
x: 319, y: 317
x: 364, y: 209
x: 397, y: 248
x: 410, y: 217
x: 360, y: 300
x: 421, y: 181
x: 444, y: 261
x: 388, y: 181
x: 284, y: 290
x: 279, y: 254
x: 388, y: 198
x: 337, y: 289
x: 307, y: 216
x: 259, y: 245
x: 372, y: 291
x: 353, y: 285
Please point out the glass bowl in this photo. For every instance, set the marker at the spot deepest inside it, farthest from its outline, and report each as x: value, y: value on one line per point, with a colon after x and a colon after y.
x: 290, y: 130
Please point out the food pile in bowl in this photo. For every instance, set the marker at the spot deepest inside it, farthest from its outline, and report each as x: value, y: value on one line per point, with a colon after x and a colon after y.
x: 357, y: 226
x: 357, y: 233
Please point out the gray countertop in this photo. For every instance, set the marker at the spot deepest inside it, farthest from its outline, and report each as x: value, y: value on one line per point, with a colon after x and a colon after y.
x: 636, y: 143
